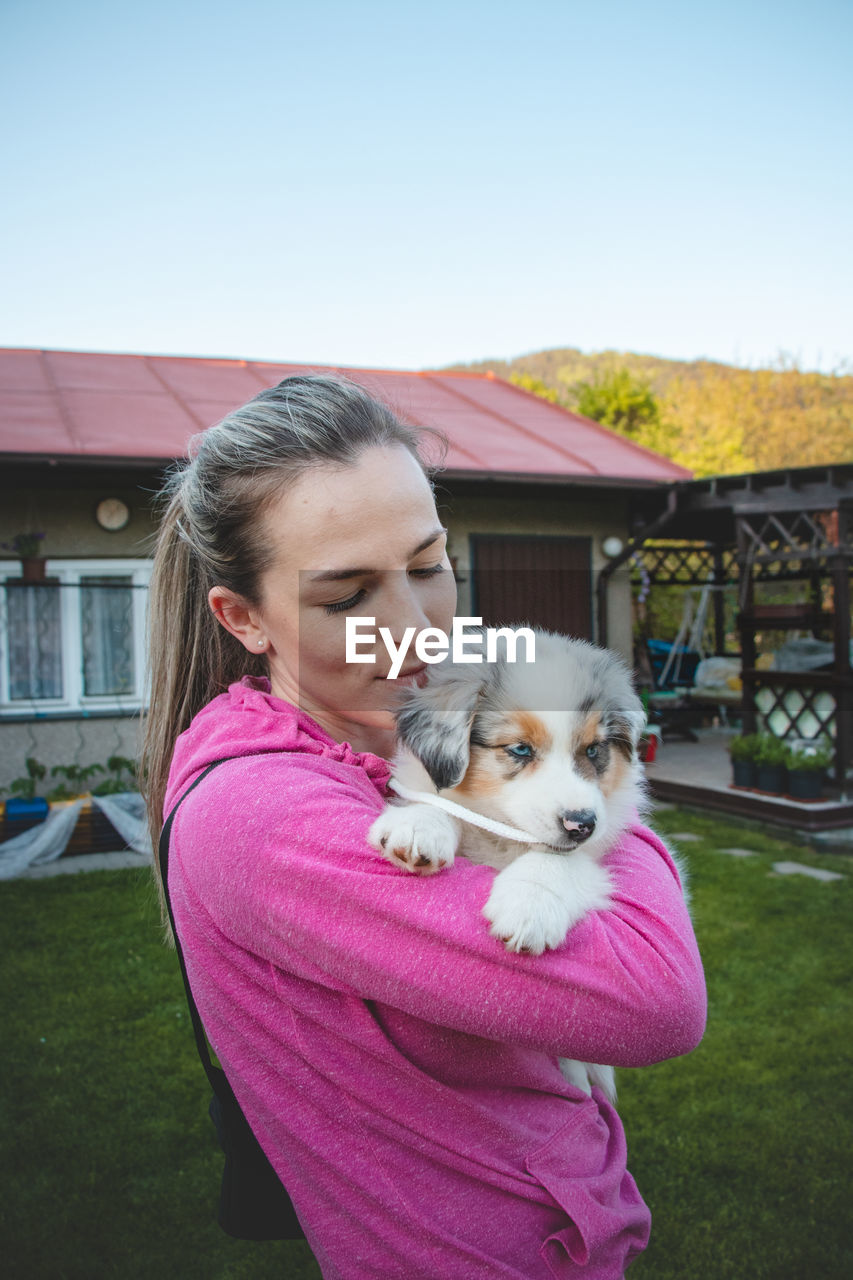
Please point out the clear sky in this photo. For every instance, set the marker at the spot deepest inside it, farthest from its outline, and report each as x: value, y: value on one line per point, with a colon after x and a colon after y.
x: 397, y: 184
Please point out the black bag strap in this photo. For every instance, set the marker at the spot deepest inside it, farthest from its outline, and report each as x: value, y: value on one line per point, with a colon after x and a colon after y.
x: 254, y: 1204
x: 218, y: 1080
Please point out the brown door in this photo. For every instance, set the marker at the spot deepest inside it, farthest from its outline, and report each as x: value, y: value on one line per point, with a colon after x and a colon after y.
x: 544, y: 581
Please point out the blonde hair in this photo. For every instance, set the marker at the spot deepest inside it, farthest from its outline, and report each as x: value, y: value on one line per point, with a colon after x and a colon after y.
x: 211, y: 534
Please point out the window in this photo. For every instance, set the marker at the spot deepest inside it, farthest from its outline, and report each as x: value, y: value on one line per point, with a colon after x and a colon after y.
x: 76, y: 641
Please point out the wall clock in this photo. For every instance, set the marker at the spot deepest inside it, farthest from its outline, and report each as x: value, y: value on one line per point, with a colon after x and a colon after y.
x: 112, y: 514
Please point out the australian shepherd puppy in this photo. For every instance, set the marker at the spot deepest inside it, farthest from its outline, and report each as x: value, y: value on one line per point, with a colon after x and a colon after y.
x: 547, y: 747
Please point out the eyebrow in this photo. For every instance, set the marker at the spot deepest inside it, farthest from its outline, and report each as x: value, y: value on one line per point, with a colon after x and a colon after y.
x: 338, y: 575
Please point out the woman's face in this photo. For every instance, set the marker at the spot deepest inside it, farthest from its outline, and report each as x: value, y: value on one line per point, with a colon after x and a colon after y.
x: 357, y: 541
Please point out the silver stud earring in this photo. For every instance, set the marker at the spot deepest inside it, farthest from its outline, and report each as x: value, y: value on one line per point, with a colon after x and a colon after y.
x: 261, y: 643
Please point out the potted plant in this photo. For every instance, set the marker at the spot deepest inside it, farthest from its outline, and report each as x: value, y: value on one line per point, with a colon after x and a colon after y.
x: 742, y: 750
x: 23, y: 804
x: 124, y: 777
x: 770, y: 757
x: 807, y: 764
x: 76, y: 780
x: 27, y: 547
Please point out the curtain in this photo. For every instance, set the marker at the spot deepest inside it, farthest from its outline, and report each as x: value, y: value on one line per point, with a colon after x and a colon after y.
x: 34, y: 636
x: 106, y: 616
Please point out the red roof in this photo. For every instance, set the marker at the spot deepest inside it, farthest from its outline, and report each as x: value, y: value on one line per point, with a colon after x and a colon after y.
x: 77, y: 405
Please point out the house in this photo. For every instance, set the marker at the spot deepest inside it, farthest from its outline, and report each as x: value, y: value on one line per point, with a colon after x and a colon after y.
x: 534, y: 498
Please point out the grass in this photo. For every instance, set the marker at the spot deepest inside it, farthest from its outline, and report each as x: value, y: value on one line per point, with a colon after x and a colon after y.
x: 742, y: 1150
x: 112, y: 1165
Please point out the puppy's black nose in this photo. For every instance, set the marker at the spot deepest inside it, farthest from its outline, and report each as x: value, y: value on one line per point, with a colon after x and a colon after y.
x: 579, y: 823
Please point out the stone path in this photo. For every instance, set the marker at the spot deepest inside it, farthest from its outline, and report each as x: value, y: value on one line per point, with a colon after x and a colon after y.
x: 800, y: 869
x: 779, y: 868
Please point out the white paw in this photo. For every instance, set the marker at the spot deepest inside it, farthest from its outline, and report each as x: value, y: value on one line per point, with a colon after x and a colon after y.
x: 526, y: 916
x: 540, y: 896
x: 417, y: 837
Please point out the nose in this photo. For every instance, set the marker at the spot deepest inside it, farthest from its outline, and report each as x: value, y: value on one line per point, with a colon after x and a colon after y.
x: 579, y: 823
x: 402, y: 606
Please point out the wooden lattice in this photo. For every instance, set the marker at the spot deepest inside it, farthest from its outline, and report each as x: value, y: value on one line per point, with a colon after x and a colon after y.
x: 683, y: 564
x: 800, y: 711
x: 804, y: 537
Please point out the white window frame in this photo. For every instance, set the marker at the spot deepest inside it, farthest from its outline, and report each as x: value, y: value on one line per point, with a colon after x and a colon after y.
x: 68, y: 573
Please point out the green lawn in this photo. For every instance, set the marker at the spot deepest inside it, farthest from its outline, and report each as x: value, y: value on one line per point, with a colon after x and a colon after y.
x: 743, y: 1150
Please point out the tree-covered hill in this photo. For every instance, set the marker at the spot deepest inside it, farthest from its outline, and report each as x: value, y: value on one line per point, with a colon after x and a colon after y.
x: 713, y: 418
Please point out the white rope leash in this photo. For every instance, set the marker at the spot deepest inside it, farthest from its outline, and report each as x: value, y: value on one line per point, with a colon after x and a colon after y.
x: 466, y: 815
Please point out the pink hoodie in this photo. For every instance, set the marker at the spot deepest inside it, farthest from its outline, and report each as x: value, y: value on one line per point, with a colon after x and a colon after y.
x: 398, y: 1065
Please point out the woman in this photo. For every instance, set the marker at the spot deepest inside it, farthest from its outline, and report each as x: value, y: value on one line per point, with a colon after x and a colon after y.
x: 397, y: 1063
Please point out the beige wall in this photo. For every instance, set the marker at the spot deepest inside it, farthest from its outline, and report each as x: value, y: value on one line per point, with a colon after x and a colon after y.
x: 567, y: 516
x: 53, y: 742
x: 66, y: 515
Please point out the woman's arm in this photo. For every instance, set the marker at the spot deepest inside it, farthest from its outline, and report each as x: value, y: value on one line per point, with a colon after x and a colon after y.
x: 277, y: 857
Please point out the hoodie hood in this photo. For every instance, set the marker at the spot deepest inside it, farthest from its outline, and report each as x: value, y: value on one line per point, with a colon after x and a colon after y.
x: 248, y: 720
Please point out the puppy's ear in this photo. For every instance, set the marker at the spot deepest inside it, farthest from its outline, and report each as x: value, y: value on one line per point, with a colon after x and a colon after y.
x: 435, y: 722
x: 625, y: 725
x: 625, y: 716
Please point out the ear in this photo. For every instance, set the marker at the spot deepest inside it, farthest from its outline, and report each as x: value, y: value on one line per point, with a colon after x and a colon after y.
x: 626, y: 722
x: 435, y: 722
x: 625, y: 718
x: 232, y: 612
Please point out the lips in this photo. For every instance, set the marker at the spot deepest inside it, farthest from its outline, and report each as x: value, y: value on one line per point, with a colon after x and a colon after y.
x: 414, y: 677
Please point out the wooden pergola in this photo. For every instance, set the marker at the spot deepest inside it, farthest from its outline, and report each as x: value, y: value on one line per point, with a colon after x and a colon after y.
x: 747, y: 531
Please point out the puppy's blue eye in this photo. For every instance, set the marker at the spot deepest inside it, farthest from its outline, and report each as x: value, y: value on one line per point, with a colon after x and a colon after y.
x: 521, y: 751
x: 592, y: 750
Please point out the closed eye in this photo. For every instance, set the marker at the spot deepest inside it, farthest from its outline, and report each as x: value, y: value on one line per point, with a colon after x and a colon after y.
x: 428, y: 573
x: 338, y: 606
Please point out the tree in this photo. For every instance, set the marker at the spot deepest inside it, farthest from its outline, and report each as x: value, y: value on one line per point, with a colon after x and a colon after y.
x: 712, y: 418
x: 535, y: 385
x: 619, y: 400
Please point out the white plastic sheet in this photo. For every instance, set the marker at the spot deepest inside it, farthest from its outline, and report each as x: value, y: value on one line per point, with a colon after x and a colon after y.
x: 42, y: 843
x: 126, y: 811
x: 48, y: 840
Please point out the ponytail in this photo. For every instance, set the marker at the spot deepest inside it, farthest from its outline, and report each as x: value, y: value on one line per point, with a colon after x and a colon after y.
x: 191, y: 657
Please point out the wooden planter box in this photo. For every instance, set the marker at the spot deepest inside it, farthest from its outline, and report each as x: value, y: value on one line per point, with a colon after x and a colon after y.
x: 94, y: 833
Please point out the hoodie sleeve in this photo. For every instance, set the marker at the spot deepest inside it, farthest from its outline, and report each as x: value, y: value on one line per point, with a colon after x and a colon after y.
x: 274, y: 852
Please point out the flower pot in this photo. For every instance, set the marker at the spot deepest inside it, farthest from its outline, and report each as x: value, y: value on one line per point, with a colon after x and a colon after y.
x: 770, y: 777
x: 33, y: 568
x: 743, y: 773
x: 17, y: 808
x: 805, y: 784
x: 21, y: 815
